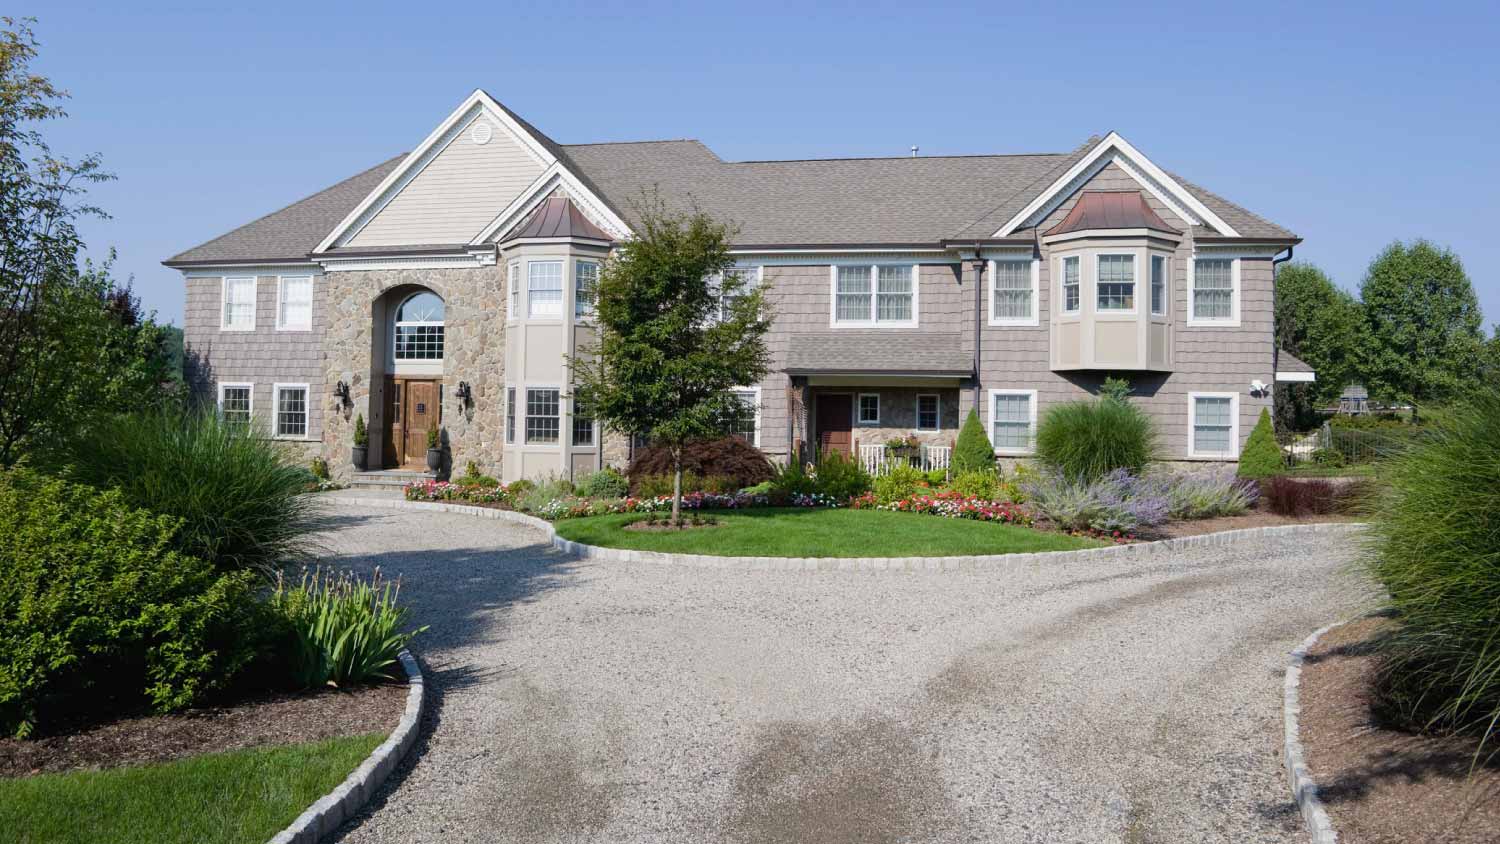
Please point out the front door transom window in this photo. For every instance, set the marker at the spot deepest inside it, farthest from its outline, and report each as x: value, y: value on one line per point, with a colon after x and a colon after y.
x: 419, y: 328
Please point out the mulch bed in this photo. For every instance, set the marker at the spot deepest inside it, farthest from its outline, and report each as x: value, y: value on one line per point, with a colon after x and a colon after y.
x: 1380, y: 785
x: 272, y: 720
x: 665, y: 527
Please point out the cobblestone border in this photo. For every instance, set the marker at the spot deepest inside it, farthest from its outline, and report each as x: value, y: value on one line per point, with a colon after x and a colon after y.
x: 1304, y: 788
x: 337, y: 806
x: 1140, y: 550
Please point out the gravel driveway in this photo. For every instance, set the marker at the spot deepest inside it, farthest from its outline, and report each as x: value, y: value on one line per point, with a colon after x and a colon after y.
x: 1099, y: 702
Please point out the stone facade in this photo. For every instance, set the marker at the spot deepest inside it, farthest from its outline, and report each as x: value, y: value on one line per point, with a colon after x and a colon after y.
x: 474, y: 340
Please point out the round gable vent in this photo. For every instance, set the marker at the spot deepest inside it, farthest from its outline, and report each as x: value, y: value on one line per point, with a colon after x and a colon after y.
x: 482, y: 132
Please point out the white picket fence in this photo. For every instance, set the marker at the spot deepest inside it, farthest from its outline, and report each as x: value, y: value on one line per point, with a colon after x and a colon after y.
x: 876, y: 460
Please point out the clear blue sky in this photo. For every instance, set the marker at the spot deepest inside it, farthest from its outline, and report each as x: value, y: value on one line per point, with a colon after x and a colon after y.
x: 1350, y: 125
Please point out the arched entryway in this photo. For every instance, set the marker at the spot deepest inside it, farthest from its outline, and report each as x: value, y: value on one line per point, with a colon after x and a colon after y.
x: 410, y: 333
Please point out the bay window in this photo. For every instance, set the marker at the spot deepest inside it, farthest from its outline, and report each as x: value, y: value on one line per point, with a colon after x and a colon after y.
x: 544, y: 289
x: 1116, y: 283
x: 543, y: 421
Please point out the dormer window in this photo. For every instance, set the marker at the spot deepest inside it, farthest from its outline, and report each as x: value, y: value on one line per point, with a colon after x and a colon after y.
x: 1116, y: 283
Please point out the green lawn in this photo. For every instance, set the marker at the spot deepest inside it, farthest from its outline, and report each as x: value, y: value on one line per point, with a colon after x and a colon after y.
x: 823, y: 533
x: 243, y: 795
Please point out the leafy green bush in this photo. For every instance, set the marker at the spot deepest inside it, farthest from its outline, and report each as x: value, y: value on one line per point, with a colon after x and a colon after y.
x: 973, y: 451
x: 538, y: 495
x: 1089, y: 439
x: 319, y: 469
x: 347, y: 629
x: 1436, y: 554
x: 791, y: 479
x: 473, y: 477
x: 1115, y: 389
x: 842, y: 477
x: 1262, y: 456
x: 899, y: 483
x: 937, y: 477
x: 605, y: 483
x: 977, y: 484
x: 238, y: 495
x: 99, y: 613
x: 1330, y: 458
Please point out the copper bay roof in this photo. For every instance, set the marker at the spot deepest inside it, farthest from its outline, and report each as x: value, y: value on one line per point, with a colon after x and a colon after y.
x: 1111, y: 210
x: 557, y: 216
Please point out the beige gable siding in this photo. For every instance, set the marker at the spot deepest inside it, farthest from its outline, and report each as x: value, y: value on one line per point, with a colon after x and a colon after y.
x: 456, y: 195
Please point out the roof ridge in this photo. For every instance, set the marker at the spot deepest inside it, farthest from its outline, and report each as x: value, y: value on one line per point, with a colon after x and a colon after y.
x: 655, y: 141
x: 898, y: 157
x: 314, y: 195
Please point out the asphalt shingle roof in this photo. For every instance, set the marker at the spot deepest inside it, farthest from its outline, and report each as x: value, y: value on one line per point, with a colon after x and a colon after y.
x: 816, y: 202
x: 878, y: 352
x: 292, y: 232
x: 1288, y: 362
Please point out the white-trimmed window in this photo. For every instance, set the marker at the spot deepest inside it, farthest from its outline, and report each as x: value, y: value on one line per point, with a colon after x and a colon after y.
x: 1115, y: 284
x: 750, y: 278
x: 929, y: 412
x: 544, y: 289
x: 513, y: 289
x: 291, y: 411
x: 869, y: 409
x: 882, y: 295
x: 543, y: 417
x: 1013, y: 421
x: 747, y: 423
x: 419, y: 328
x: 1158, y: 285
x: 585, y: 289
x: 1072, y: 289
x: 1215, y: 292
x: 1213, y: 425
x: 236, y: 401
x: 510, y: 414
x: 1013, y: 292
x: 294, y: 303
x: 239, y: 303
x: 583, y: 426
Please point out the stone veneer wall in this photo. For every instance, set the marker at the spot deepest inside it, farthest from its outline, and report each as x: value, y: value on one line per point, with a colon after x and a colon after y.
x: 474, y: 340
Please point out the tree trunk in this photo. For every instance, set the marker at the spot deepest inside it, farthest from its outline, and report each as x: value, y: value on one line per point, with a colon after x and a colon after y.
x: 676, y: 484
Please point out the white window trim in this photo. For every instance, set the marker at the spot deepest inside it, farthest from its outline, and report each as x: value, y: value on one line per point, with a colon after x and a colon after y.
x: 990, y: 416
x: 833, y: 298
x: 562, y: 304
x: 281, y: 281
x: 756, y: 391
x: 1062, y: 296
x: 246, y: 384
x: 276, y: 411
x: 859, y: 400
x: 564, y: 433
x: 1166, y: 283
x: 754, y: 284
x: 917, y: 422
x: 1036, y: 303
x: 1234, y: 292
x: 587, y: 318
x: 224, y: 301
x: 513, y: 290
x: 1135, y: 274
x: 512, y: 420
x: 1234, y: 426
x: 573, y: 417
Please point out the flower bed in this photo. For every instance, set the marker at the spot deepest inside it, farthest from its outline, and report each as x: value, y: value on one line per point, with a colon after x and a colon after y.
x: 447, y: 491
x: 951, y: 505
x: 572, y: 507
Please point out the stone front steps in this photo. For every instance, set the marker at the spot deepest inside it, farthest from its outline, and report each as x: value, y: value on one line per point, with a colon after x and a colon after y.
x: 387, y: 479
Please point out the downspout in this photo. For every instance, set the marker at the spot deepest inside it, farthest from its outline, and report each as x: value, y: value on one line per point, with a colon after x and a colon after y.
x: 1276, y: 343
x: 978, y: 319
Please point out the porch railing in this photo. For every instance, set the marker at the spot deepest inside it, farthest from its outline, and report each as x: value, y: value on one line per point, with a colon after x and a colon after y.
x: 876, y: 459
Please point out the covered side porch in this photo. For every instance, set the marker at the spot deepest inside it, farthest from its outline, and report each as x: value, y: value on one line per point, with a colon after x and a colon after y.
x: 879, y: 398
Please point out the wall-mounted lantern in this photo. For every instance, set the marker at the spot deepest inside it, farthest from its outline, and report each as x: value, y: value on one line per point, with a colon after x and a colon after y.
x: 341, y: 393
x: 464, y: 395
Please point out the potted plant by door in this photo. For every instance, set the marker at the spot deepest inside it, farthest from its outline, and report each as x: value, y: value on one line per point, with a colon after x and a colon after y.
x: 361, y: 443
x: 434, y: 450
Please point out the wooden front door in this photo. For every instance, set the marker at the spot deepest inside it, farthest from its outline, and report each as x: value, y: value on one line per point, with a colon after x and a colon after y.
x: 834, y: 415
x: 413, y: 410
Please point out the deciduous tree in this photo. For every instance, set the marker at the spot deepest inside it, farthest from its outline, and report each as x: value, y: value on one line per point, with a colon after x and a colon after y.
x: 1322, y: 325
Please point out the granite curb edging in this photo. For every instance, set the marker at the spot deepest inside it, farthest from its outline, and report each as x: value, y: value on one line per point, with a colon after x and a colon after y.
x: 1140, y: 550
x: 1304, y: 788
x: 332, y: 809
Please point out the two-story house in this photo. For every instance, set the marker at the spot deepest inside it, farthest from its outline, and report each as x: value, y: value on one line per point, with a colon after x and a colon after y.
x: 448, y: 286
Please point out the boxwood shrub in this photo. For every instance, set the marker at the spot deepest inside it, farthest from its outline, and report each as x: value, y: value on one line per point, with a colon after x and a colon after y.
x: 99, y: 613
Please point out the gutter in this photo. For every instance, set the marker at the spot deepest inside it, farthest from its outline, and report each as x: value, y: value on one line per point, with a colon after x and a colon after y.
x: 1291, y: 250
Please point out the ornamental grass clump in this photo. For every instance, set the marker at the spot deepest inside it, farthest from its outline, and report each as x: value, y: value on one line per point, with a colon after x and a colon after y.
x: 1205, y: 496
x: 237, y: 492
x: 1436, y: 550
x: 1086, y: 440
x: 1117, y: 502
x: 346, y: 628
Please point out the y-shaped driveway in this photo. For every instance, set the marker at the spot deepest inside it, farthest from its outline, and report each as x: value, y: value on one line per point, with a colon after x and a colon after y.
x: 1112, y: 701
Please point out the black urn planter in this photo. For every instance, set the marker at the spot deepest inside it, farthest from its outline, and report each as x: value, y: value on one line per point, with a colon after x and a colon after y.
x: 434, y: 459
x: 357, y: 456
